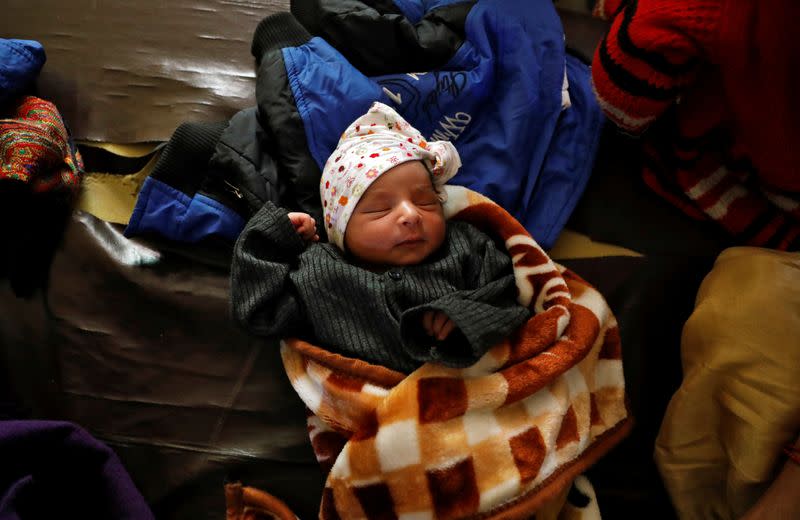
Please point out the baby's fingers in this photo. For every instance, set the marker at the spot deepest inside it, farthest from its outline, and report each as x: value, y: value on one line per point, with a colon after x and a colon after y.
x: 309, y: 229
x: 427, y: 322
x: 446, y: 329
x: 304, y: 225
x: 439, y: 320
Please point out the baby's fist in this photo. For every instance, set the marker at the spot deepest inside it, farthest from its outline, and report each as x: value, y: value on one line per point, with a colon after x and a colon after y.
x: 437, y: 324
x: 304, y: 225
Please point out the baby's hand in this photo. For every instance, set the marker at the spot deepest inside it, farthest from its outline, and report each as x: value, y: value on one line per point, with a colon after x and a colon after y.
x: 305, y: 226
x: 437, y: 324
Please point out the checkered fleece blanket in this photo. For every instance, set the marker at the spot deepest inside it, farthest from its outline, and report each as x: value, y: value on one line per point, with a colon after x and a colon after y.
x: 495, y: 440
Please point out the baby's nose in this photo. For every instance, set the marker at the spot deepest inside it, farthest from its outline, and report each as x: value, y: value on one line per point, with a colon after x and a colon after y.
x: 409, y: 214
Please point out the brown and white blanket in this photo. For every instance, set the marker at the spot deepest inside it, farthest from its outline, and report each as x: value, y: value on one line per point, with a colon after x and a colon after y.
x: 495, y: 440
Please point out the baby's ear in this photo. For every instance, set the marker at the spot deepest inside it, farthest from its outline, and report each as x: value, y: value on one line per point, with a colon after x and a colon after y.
x: 441, y: 193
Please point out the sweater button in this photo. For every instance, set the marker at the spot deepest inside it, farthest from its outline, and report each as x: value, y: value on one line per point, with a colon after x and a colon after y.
x: 395, y: 275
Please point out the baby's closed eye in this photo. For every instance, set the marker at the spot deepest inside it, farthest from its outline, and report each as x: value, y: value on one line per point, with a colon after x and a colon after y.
x: 376, y: 209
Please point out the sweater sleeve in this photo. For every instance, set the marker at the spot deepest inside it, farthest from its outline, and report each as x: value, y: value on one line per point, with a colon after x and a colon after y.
x: 263, y: 299
x: 484, y: 313
x: 650, y: 54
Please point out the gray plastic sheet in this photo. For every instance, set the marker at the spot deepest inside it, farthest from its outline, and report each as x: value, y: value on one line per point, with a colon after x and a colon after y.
x: 133, y: 71
x: 136, y: 345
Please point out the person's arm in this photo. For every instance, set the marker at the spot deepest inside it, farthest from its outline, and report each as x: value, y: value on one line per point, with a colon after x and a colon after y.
x: 263, y: 299
x: 481, y: 315
x: 649, y: 55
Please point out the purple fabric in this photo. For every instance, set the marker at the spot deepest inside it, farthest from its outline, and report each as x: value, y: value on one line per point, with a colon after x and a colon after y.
x: 52, y: 469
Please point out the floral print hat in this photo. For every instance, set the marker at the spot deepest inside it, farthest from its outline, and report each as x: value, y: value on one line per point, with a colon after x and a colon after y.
x: 373, y: 144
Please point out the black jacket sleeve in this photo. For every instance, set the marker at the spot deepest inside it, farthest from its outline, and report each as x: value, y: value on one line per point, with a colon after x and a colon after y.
x: 263, y: 299
x: 280, y: 118
x: 484, y: 313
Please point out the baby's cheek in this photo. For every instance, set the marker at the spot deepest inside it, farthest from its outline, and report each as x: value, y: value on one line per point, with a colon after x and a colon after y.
x: 380, y: 237
x: 438, y: 228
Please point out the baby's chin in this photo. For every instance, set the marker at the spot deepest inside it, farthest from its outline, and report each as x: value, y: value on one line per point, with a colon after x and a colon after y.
x: 411, y: 256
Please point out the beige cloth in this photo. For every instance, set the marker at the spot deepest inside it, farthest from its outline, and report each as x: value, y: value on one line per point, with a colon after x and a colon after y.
x: 720, y: 443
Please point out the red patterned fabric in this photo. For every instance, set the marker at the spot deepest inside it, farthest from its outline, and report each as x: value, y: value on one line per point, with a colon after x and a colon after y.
x: 35, y: 148
x: 496, y: 440
x: 714, y: 83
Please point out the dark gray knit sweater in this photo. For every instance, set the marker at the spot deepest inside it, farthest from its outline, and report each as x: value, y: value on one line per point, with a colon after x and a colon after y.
x: 281, y: 287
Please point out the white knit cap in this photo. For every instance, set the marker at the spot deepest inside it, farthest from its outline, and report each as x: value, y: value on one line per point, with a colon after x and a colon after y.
x: 373, y: 144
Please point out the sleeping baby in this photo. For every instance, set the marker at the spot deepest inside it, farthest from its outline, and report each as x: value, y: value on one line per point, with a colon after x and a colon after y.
x: 397, y: 285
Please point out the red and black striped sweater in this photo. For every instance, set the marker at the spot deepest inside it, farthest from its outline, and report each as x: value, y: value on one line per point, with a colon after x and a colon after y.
x: 716, y: 84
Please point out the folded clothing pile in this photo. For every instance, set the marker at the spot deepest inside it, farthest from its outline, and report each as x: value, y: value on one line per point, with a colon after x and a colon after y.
x: 40, y: 173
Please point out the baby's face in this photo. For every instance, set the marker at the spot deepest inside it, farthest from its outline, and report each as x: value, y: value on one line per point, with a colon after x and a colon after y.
x: 399, y: 219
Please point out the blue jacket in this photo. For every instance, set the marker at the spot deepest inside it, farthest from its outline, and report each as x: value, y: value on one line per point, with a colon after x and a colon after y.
x: 493, y: 86
x: 20, y: 63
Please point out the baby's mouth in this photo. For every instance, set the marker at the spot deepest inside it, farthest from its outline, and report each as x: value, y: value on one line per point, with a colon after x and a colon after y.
x: 410, y: 241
